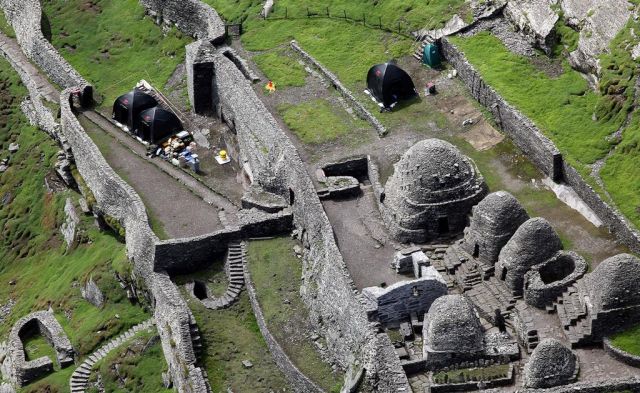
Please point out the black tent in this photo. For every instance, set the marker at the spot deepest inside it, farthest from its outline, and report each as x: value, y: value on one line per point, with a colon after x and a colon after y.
x: 389, y: 84
x: 157, y: 124
x: 127, y: 108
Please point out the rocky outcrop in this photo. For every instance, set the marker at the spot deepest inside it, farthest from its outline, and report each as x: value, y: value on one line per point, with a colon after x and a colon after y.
x: 536, y: 19
x: 68, y: 228
x: 92, y: 293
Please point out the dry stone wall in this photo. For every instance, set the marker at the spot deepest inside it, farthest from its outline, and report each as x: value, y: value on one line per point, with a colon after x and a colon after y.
x: 327, y: 288
x: 25, y: 18
x: 192, y: 17
x: 544, y: 154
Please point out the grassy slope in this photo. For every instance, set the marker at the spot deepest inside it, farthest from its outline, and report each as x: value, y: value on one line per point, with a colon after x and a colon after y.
x: 276, y: 273
x: 230, y: 336
x: 282, y: 68
x: 31, y: 250
x: 4, y: 25
x: 413, y: 14
x: 137, y: 362
x: 112, y: 45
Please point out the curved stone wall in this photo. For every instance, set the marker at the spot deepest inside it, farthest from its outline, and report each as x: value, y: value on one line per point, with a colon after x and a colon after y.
x: 619, y: 354
x: 539, y: 291
x: 192, y: 17
x: 25, y: 17
x: 327, y: 289
x: 542, y: 151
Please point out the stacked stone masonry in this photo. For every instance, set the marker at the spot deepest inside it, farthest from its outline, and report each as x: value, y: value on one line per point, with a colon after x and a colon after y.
x: 544, y: 154
x: 192, y: 17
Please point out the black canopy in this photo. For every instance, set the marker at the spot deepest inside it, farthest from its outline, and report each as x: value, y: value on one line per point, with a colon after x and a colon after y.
x: 127, y: 108
x: 389, y: 84
x: 157, y: 124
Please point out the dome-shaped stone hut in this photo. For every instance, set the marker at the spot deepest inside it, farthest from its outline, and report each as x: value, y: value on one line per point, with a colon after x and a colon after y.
x: 614, y: 283
x: 494, y: 220
x: 431, y: 192
x: 533, y: 243
x: 551, y: 364
x: 452, y: 330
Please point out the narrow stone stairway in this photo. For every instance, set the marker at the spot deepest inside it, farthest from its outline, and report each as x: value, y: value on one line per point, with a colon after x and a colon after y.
x: 80, y: 377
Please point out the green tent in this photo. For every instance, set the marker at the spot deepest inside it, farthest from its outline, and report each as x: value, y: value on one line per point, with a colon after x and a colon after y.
x: 431, y: 56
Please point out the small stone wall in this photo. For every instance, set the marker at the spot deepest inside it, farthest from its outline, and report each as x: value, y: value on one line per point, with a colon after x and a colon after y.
x: 359, y: 109
x: 544, y: 154
x: 25, y: 18
x: 297, y: 379
x: 607, y: 386
x: 192, y: 17
x: 619, y: 354
x: 23, y: 371
x: 473, y: 385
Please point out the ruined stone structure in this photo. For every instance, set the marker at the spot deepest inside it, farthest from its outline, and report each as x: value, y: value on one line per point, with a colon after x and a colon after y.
x: 431, y: 192
x: 199, y: 64
x: 494, y: 220
x: 22, y: 370
x: 397, y: 302
x: 551, y: 364
x: 192, y: 17
x: 533, y: 243
x: 544, y: 283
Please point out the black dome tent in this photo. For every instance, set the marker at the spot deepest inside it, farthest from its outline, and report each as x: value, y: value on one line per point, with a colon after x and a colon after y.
x: 157, y: 124
x: 127, y: 108
x: 389, y: 84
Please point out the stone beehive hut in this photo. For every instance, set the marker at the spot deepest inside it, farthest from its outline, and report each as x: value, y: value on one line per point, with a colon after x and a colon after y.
x: 494, y: 220
x: 551, y: 364
x: 431, y: 192
x: 533, y: 243
x: 452, y: 331
x: 614, y: 284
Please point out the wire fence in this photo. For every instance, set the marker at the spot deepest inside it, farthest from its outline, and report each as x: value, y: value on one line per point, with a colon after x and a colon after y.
x: 401, y: 26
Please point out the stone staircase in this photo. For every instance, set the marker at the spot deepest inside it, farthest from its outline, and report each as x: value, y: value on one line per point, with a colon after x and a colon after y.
x: 490, y: 295
x: 80, y: 377
x: 573, y: 315
x: 236, y: 255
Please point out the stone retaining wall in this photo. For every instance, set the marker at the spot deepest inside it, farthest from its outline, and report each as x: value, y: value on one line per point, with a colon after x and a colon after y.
x: 192, y: 17
x: 25, y: 18
x: 616, y: 353
x: 542, y: 152
x: 300, y: 382
x: 360, y: 110
x: 608, y: 386
x: 334, y: 303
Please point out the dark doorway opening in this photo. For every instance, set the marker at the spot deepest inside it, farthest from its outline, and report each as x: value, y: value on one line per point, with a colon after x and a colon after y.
x: 476, y: 250
x: 503, y: 275
x: 443, y: 225
x: 292, y: 197
x: 200, y: 290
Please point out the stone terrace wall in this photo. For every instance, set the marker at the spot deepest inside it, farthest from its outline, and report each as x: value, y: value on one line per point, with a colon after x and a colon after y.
x: 297, y: 379
x: 25, y: 18
x: 327, y: 288
x: 537, y: 147
x: 192, y: 17
x: 607, y: 386
x: 360, y: 110
x: 621, y: 355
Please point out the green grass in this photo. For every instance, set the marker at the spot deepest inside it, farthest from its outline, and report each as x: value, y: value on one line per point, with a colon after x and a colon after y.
x: 36, y: 347
x: 32, y: 253
x: 561, y: 107
x: 282, y: 68
x: 139, y: 362
x: 458, y: 376
x: 628, y: 341
x: 5, y: 27
x: 277, y: 273
x: 213, y: 275
x: 412, y: 14
x: 314, y: 122
x: 230, y: 336
x: 114, y: 49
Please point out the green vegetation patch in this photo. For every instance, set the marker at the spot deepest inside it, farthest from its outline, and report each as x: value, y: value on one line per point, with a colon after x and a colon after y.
x: 214, y: 276
x: 628, y: 341
x: 472, y: 374
x: 36, y: 346
x: 114, y: 49
x: 314, y: 122
x: 136, y: 366
x: 277, y: 274
x: 282, y: 68
x: 5, y: 27
x: 230, y: 336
